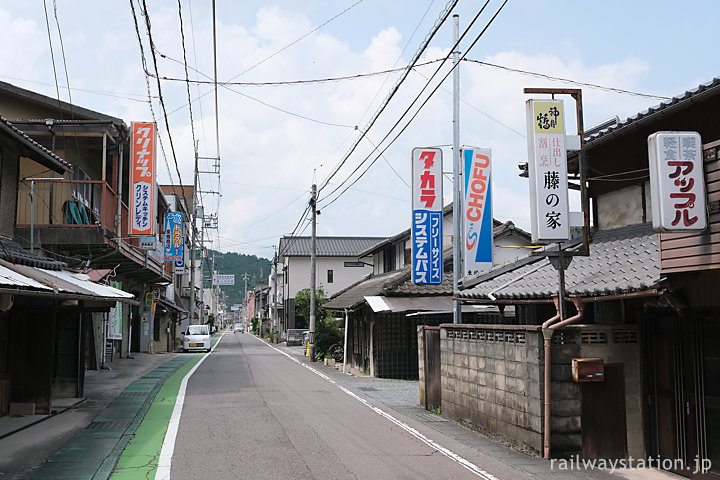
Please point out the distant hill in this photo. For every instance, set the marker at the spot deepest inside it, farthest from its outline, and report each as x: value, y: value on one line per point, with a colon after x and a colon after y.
x: 238, y: 264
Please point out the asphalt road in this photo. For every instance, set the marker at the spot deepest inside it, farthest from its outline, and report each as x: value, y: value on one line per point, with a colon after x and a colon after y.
x: 252, y: 412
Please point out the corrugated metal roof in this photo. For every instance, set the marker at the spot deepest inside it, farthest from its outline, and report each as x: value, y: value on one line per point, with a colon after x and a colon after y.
x: 621, y: 261
x: 712, y: 87
x: 18, y: 279
x: 11, y: 279
x: 326, y: 246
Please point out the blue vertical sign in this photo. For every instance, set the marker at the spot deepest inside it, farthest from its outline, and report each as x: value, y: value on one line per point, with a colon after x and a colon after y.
x: 477, y: 210
x: 427, y: 236
x: 173, y: 237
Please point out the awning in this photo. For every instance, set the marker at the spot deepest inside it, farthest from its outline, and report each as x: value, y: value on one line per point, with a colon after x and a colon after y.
x: 171, y: 306
x: 409, y: 304
x: 24, y: 280
x: 422, y: 305
x: 10, y: 279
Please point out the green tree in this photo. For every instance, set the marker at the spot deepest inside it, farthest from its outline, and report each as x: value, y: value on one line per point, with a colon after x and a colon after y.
x: 326, y: 329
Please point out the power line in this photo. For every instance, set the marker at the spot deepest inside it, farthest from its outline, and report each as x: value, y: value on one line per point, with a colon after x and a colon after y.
x: 575, y: 82
x: 412, y: 104
x: 297, y: 40
x: 443, y: 16
x: 146, y: 14
x: 421, y: 106
x: 341, y: 78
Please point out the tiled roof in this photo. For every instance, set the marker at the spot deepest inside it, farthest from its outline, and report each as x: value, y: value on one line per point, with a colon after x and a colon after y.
x: 397, y: 283
x: 689, y: 97
x: 14, y: 253
x: 327, y: 246
x: 33, y: 145
x: 621, y: 261
x: 355, y: 294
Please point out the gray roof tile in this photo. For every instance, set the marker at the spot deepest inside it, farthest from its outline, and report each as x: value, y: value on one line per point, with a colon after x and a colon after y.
x: 621, y: 261
x: 327, y: 246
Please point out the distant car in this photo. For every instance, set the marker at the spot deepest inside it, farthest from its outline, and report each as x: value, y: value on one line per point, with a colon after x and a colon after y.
x: 238, y: 328
x: 197, y: 337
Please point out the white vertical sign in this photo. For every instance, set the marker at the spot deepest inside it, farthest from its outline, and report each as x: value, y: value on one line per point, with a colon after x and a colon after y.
x: 427, y: 197
x: 547, y: 168
x: 114, y: 330
x: 477, y: 210
x: 677, y: 181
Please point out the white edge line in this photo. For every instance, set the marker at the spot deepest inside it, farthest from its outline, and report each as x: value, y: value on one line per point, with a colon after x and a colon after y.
x: 168, y: 446
x: 431, y: 443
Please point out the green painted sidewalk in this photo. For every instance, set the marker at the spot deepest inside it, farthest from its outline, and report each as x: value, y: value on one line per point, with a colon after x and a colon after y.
x: 125, y: 440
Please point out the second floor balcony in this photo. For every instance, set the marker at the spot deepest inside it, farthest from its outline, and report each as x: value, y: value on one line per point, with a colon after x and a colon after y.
x: 84, y: 220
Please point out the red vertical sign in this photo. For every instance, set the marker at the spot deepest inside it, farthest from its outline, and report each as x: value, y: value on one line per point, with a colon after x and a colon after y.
x: 143, y: 204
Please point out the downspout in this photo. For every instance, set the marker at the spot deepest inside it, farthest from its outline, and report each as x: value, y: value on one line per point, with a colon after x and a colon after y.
x: 345, y: 341
x: 548, y: 328
x: 118, y: 218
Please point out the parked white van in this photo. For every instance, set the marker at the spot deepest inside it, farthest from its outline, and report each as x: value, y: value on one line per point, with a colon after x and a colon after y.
x: 196, y: 337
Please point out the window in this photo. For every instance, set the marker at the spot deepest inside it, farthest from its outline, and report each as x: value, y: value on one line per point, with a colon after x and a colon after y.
x: 330, y: 276
x: 354, y: 264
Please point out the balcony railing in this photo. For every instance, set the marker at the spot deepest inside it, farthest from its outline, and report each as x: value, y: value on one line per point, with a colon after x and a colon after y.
x: 60, y: 203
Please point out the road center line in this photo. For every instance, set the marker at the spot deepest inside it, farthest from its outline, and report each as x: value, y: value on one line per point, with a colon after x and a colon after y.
x: 431, y: 443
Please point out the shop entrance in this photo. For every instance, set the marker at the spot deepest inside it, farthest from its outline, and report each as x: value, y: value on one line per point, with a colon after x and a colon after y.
x: 682, y: 366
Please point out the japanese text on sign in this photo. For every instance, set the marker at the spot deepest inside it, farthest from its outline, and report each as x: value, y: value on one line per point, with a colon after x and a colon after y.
x: 173, y: 237
x: 427, y: 262
x: 677, y: 181
x: 547, y: 168
x: 477, y: 209
x: 142, y: 175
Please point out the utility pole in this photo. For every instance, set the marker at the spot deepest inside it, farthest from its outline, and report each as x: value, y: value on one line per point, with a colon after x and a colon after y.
x: 313, y: 247
x: 457, y: 185
x: 273, y: 290
x: 245, y: 277
x: 193, y: 241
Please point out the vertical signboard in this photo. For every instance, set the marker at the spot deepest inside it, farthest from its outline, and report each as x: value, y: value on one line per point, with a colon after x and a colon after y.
x: 143, y: 205
x: 477, y: 210
x: 114, y: 331
x: 547, y: 168
x: 173, y: 237
x: 179, y: 268
x: 677, y: 181
x: 427, y: 241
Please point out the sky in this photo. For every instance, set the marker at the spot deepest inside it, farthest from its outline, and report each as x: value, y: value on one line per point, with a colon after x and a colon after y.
x: 275, y: 140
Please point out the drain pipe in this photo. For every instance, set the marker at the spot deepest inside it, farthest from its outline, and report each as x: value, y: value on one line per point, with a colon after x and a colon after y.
x: 345, y: 341
x: 548, y: 328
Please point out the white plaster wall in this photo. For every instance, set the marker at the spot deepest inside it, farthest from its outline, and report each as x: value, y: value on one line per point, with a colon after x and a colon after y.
x: 505, y: 249
x: 299, y: 273
x: 623, y: 207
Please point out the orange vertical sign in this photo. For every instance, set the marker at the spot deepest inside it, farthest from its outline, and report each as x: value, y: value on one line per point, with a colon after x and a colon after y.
x: 143, y: 204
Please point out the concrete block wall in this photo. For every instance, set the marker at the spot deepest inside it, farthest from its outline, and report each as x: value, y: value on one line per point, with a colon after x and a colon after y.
x: 491, y: 377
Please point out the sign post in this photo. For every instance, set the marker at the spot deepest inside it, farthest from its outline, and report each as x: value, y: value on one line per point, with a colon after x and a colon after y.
x: 427, y: 240
x: 143, y: 201
x: 547, y: 168
x: 677, y: 182
x: 477, y: 211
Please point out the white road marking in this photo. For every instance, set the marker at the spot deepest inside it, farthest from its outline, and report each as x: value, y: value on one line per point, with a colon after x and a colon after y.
x: 431, y: 443
x: 168, y: 447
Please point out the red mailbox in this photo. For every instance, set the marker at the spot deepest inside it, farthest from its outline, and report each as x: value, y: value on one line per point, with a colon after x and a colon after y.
x: 588, y: 370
